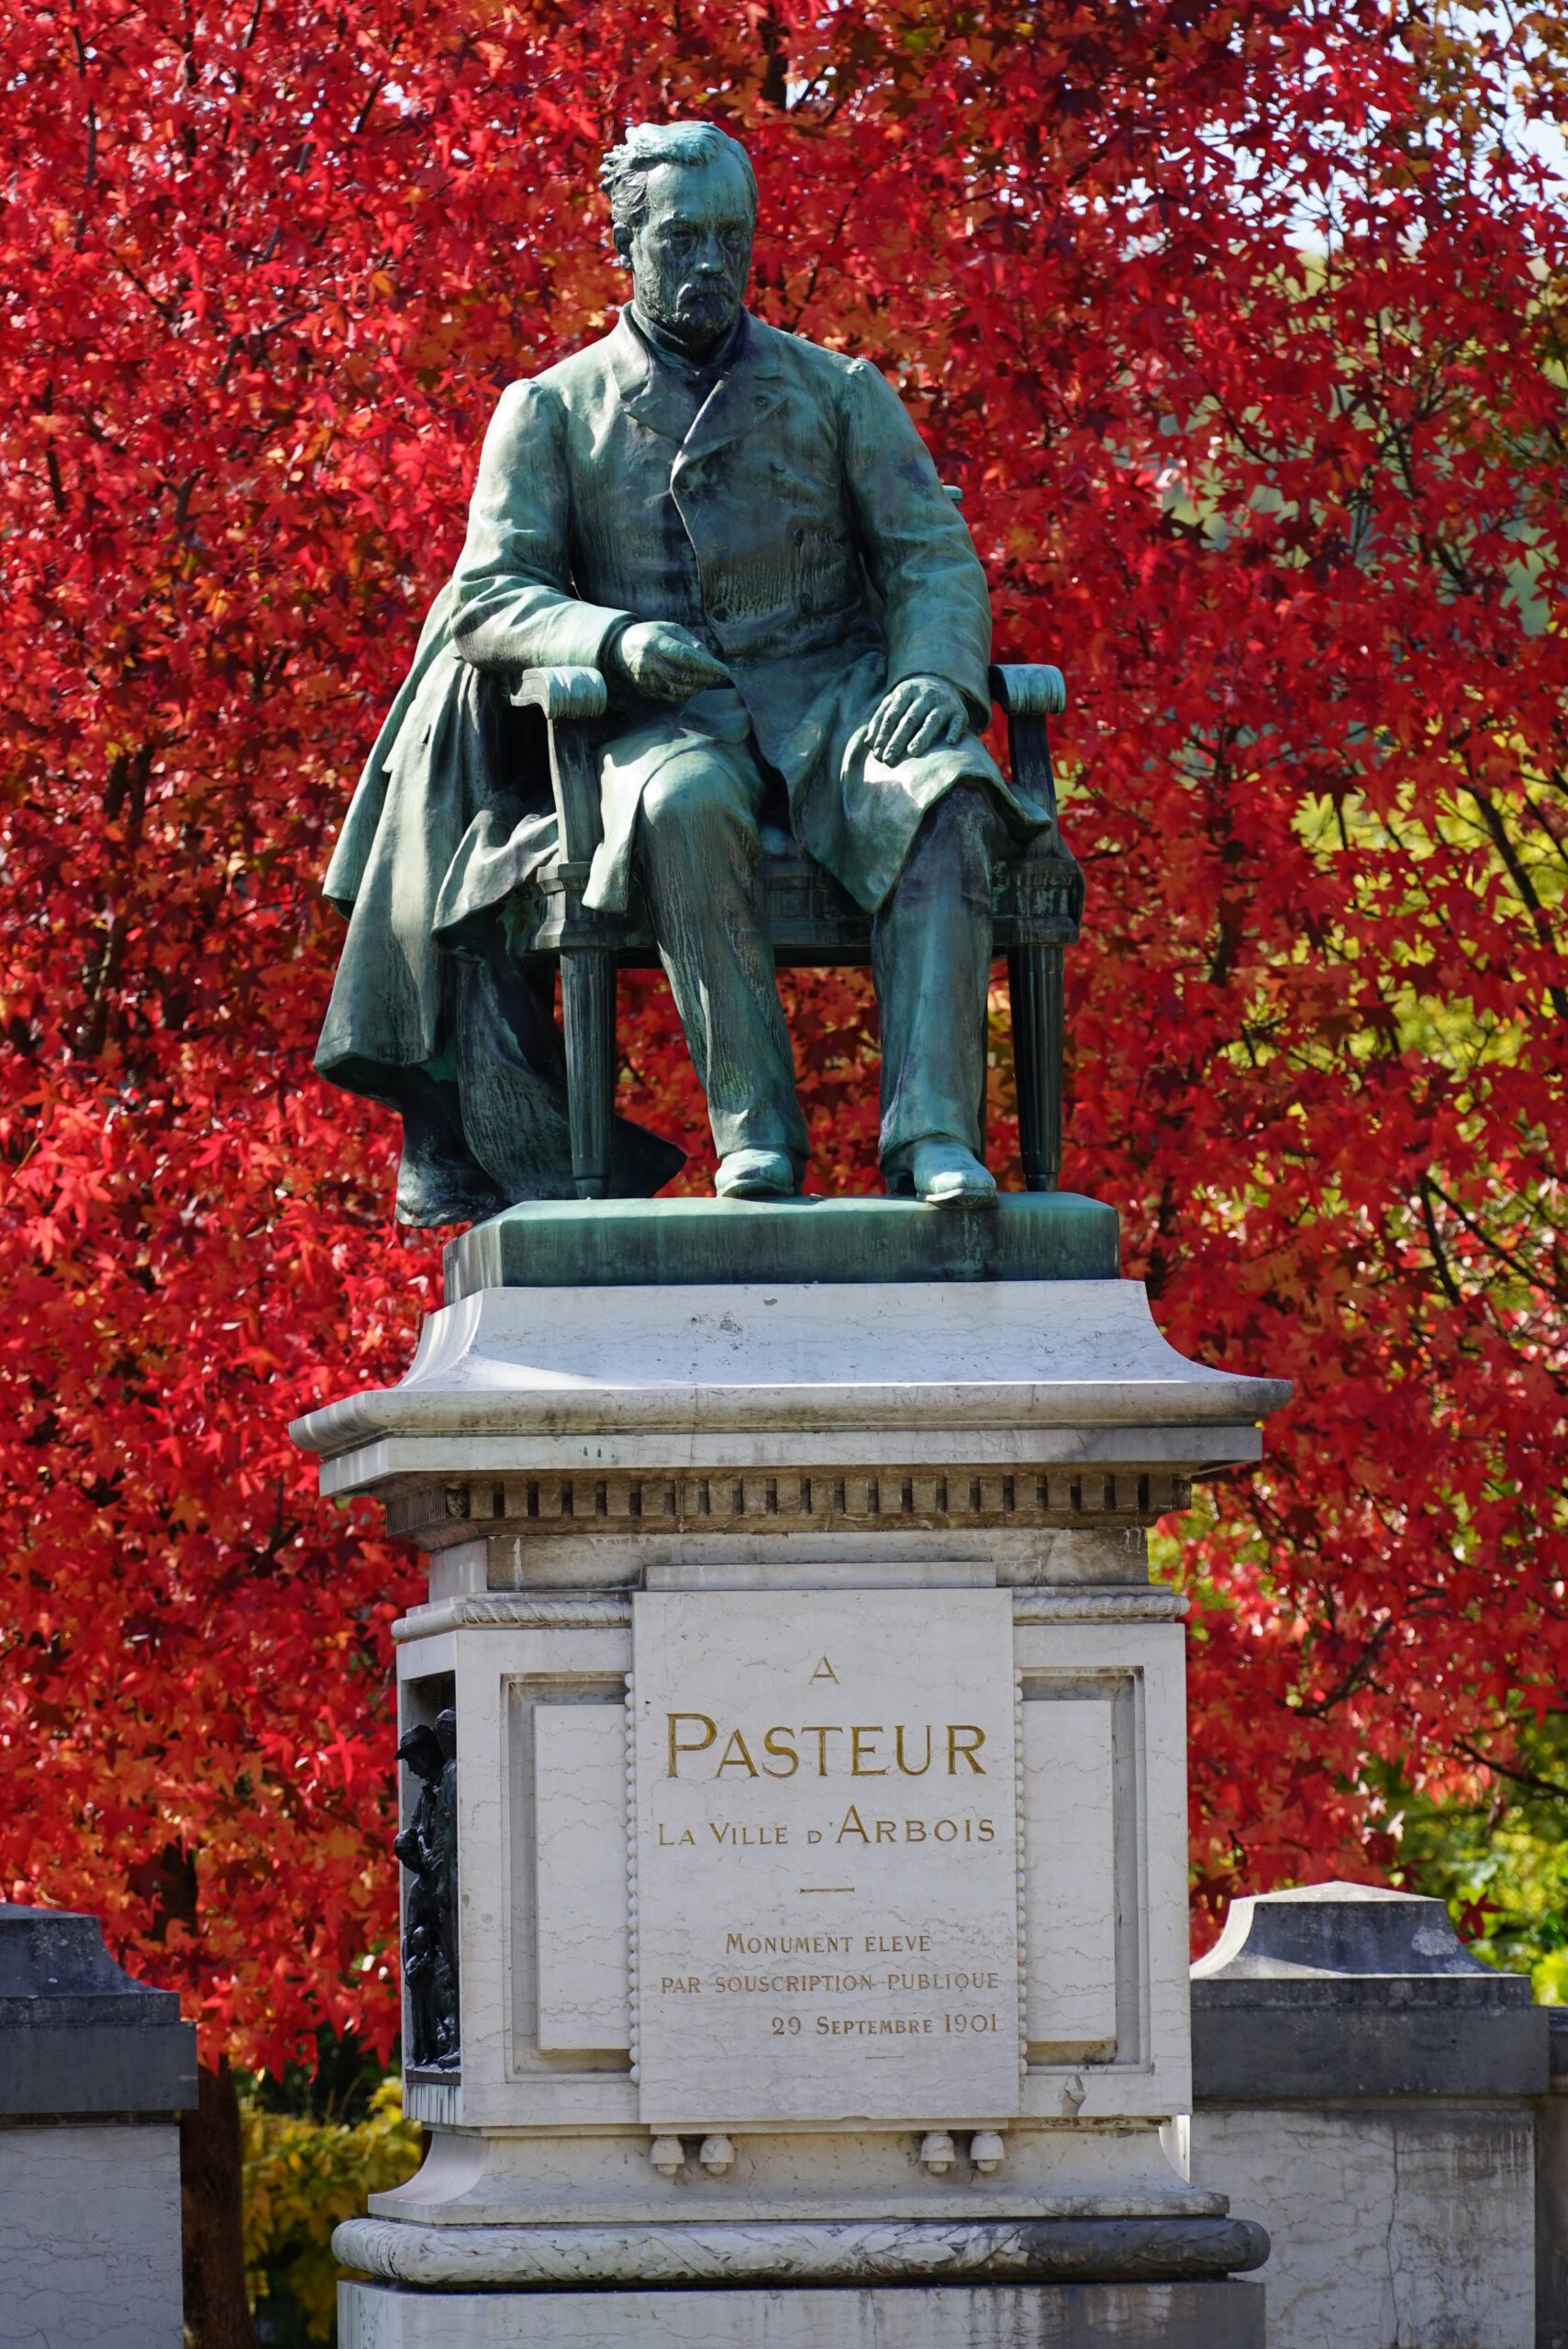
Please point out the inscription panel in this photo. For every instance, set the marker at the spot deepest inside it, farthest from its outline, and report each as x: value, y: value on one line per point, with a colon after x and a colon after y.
x: 826, y: 1854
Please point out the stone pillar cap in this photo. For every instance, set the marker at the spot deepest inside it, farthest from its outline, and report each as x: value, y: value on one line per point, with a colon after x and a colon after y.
x: 1336, y: 1929
x: 77, y: 2033
x: 60, y: 1953
x: 1354, y: 1990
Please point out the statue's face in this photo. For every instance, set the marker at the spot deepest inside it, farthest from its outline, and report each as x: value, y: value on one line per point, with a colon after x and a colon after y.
x: 691, y: 251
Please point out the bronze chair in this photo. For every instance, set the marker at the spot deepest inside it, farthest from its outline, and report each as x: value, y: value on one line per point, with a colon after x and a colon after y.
x: 813, y: 921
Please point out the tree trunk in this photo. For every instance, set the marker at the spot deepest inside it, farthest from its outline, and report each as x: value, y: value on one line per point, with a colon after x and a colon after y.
x: 217, y: 2314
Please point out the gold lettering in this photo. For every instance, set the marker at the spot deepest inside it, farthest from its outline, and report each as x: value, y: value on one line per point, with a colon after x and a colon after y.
x: 679, y: 1746
x: 736, y: 1757
x: 691, y: 1734
x: 857, y: 1829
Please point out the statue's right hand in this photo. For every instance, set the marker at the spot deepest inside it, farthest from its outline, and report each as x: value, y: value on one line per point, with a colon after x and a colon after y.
x: 664, y: 662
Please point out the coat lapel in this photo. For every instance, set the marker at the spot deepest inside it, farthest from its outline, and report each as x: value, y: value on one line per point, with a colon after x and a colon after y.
x: 746, y: 396
x: 751, y: 390
x: 648, y: 392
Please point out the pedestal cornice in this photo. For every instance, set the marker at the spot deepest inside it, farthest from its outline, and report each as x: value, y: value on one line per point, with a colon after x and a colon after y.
x: 926, y: 1377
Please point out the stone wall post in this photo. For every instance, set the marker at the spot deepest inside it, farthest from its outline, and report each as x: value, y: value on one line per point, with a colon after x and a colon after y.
x: 94, y: 2070
x: 1365, y: 2089
x: 1552, y: 2193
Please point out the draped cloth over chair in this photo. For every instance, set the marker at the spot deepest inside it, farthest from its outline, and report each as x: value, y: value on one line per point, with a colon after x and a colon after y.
x: 454, y: 813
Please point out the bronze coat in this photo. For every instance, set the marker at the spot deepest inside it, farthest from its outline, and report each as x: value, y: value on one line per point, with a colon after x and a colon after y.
x: 797, y: 527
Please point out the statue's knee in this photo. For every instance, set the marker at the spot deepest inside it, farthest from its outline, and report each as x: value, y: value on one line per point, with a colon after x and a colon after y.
x: 685, y: 793
x: 693, y: 809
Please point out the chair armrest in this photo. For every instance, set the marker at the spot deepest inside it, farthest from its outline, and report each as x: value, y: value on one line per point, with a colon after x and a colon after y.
x: 562, y: 693
x: 1030, y: 689
x: 569, y: 698
x: 1030, y: 693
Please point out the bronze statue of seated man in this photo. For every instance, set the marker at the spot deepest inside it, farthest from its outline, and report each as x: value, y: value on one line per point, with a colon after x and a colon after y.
x: 744, y: 532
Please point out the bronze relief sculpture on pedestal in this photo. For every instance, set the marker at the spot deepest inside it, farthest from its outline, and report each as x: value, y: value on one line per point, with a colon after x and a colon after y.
x: 718, y: 561
x: 428, y: 1847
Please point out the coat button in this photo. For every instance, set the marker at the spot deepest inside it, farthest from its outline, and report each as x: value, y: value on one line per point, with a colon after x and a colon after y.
x: 718, y: 612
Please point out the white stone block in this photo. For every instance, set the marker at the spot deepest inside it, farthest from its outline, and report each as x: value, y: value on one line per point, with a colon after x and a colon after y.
x: 90, y: 2236
x: 580, y: 1876
x: 541, y: 1685
x: 1134, y: 1672
x: 1069, y: 1808
x: 1393, y: 2226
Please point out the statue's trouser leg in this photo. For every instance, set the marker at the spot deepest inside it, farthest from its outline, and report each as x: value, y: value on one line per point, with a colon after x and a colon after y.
x: 697, y: 853
x: 931, y: 958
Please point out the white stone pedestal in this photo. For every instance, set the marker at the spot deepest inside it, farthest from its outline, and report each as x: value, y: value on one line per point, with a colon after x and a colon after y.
x: 820, y: 1802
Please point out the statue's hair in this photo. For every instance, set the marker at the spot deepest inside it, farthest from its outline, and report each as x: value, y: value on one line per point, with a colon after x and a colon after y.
x: 623, y: 174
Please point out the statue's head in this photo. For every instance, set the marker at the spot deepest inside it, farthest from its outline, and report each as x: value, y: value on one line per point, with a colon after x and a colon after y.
x: 684, y: 204
x: 420, y: 1750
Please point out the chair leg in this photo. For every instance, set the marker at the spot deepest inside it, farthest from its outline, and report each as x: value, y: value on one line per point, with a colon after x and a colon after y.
x: 1034, y: 984
x: 588, y: 1032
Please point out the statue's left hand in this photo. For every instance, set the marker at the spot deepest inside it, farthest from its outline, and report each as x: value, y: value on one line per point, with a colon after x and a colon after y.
x: 914, y: 717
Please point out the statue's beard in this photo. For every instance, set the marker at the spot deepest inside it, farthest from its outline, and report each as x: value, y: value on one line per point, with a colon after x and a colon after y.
x: 691, y: 313
x: 705, y: 306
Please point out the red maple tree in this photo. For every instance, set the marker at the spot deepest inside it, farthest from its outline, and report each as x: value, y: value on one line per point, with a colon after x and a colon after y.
x: 1242, y: 326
